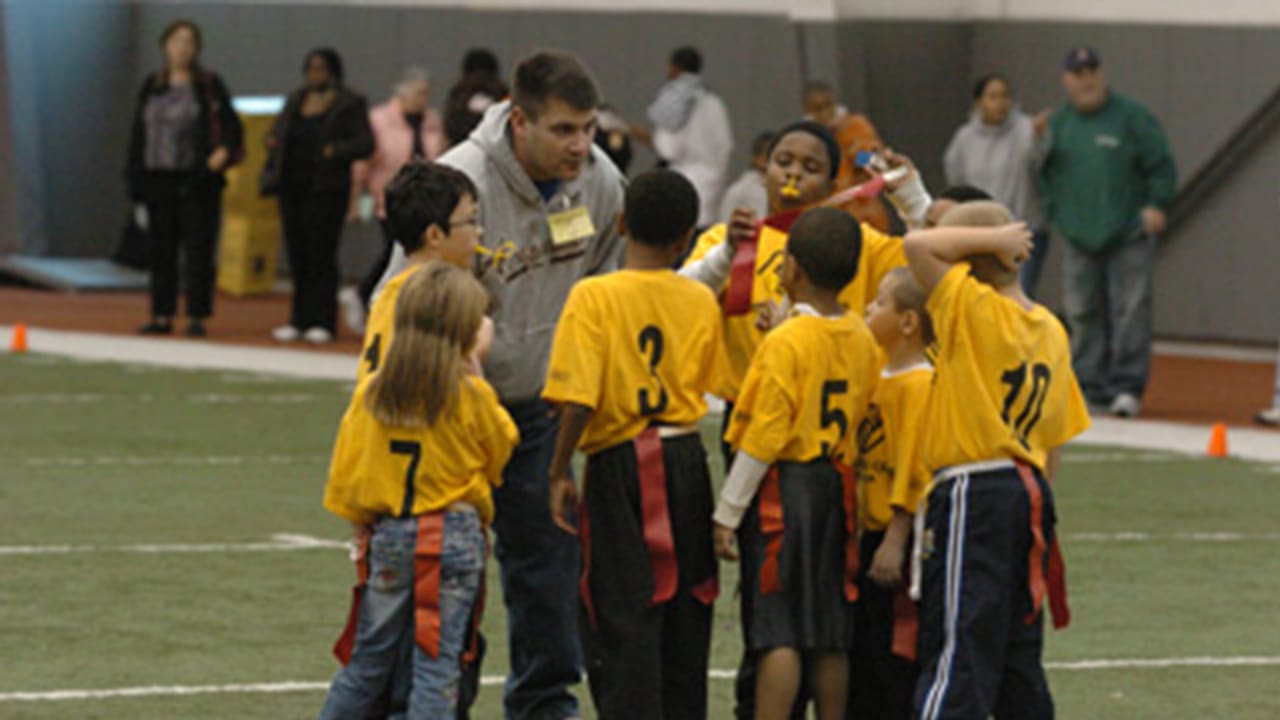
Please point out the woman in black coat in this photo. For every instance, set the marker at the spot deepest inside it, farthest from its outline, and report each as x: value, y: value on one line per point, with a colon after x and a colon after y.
x: 322, y: 130
x: 185, y: 135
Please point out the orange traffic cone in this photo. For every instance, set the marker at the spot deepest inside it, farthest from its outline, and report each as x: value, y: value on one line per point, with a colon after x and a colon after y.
x: 19, y: 343
x: 1218, y: 441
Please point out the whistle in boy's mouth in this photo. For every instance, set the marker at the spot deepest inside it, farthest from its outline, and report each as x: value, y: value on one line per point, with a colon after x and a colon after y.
x: 790, y: 190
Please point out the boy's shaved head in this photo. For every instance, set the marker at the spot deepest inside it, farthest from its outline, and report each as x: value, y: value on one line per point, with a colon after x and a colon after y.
x: 984, y: 213
x: 827, y: 244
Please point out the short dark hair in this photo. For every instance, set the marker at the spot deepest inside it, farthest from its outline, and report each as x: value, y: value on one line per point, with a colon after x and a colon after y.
x: 980, y: 86
x: 332, y: 59
x: 964, y: 194
x: 423, y: 194
x: 479, y: 60
x: 661, y: 208
x: 827, y: 244
x: 183, y: 24
x: 688, y: 59
x: 553, y: 74
x: 820, y: 132
x: 762, y: 143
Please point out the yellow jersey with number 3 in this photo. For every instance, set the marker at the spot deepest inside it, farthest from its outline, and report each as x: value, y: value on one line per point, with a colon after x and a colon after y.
x: 880, y: 254
x: 891, y: 475
x: 380, y: 325
x: 807, y: 390
x: 638, y: 347
x: 1004, y: 386
x: 379, y: 470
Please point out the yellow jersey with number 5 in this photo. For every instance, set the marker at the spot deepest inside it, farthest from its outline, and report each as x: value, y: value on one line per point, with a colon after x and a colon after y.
x: 379, y: 470
x: 880, y: 254
x: 638, y: 347
x: 1004, y: 387
x: 807, y: 391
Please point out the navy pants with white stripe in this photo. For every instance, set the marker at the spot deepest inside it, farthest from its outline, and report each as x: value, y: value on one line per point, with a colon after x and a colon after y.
x: 980, y: 644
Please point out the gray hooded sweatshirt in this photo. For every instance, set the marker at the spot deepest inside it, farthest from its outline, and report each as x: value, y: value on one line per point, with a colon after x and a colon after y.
x: 529, y: 276
x: 1003, y: 159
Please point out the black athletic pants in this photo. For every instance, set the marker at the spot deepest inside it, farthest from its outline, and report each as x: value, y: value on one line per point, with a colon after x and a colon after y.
x: 312, y: 228
x: 979, y: 655
x: 881, y: 684
x: 647, y: 662
x: 183, y: 217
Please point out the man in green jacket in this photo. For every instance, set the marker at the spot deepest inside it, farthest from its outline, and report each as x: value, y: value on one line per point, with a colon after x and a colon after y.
x: 1106, y: 184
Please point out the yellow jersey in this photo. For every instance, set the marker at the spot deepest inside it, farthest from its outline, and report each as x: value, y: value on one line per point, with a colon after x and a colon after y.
x: 638, y: 347
x: 1004, y: 386
x: 880, y: 254
x: 807, y: 390
x: 380, y: 325
x: 891, y: 475
x: 379, y: 470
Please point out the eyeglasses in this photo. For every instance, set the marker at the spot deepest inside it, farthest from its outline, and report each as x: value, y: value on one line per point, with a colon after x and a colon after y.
x: 473, y: 222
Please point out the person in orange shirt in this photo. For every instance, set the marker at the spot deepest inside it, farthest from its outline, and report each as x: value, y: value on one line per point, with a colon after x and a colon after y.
x: 855, y: 133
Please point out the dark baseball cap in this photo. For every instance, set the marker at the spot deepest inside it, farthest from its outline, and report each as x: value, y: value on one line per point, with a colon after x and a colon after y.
x: 1081, y: 57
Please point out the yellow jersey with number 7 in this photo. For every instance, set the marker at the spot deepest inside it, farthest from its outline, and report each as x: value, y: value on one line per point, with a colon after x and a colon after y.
x: 1004, y: 387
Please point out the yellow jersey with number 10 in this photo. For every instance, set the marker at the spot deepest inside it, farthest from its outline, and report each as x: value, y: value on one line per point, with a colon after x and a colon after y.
x: 1004, y: 386
x: 807, y: 390
x: 638, y: 347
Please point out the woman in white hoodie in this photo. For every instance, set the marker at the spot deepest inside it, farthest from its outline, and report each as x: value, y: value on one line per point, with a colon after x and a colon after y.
x: 1000, y: 150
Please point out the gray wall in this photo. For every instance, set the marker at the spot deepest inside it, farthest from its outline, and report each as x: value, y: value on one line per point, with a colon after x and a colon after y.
x: 70, y: 89
x: 9, y: 222
x: 73, y: 67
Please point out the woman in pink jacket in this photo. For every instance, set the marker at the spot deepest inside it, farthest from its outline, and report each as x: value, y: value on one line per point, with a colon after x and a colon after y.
x: 405, y: 127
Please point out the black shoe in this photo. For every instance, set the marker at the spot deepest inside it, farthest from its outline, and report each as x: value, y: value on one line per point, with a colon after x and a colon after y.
x: 158, y: 326
x: 196, y: 329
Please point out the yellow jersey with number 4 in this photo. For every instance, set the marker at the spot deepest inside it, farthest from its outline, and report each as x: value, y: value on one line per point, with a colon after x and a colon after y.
x: 380, y: 325
x: 638, y: 347
x: 1004, y: 386
x: 880, y: 254
x: 379, y: 470
x: 891, y: 475
x: 807, y: 390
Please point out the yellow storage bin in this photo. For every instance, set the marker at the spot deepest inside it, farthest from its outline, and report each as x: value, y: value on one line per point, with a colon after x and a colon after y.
x: 248, y: 255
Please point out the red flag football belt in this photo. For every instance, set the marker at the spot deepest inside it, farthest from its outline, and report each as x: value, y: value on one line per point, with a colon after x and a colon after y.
x: 656, y: 522
x: 772, y: 528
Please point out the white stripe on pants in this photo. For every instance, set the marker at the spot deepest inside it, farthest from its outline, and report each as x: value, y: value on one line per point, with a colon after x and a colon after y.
x: 951, y: 610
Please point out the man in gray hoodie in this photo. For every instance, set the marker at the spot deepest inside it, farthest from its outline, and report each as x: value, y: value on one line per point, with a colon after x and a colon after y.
x: 549, y: 205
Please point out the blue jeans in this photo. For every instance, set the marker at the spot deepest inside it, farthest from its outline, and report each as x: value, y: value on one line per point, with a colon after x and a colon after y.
x: 1034, y: 265
x: 1107, y: 296
x: 386, y: 618
x: 540, y: 568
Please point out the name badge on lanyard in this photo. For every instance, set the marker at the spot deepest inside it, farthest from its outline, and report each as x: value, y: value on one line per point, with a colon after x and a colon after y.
x: 570, y: 226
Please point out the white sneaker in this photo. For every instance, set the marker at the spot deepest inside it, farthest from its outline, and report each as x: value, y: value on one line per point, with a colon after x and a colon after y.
x: 1126, y: 405
x: 353, y: 312
x: 318, y: 336
x: 285, y: 333
x: 1270, y: 416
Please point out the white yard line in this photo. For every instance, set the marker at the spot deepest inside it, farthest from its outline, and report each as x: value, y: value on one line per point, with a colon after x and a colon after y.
x: 280, y: 542
x: 291, y: 686
x: 182, y: 460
